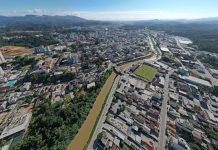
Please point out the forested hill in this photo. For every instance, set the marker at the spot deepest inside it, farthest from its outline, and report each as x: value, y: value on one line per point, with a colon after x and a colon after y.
x: 34, y: 19
x: 203, y: 33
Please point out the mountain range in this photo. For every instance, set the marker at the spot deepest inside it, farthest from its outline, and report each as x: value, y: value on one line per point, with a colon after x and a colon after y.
x: 45, y: 19
x: 34, y: 19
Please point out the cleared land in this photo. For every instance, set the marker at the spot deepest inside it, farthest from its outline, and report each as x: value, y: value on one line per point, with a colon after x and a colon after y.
x: 82, y: 137
x: 146, y: 72
x: 15, y: 50
x: 2, y: 116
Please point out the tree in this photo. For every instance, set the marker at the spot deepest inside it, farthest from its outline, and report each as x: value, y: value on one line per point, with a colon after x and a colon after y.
x: 101, y: 135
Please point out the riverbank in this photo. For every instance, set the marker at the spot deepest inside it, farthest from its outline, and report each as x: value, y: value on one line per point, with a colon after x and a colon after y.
x: 82, y: 137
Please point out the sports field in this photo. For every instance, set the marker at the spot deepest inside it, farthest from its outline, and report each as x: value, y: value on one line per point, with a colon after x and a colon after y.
x: 146, y: 72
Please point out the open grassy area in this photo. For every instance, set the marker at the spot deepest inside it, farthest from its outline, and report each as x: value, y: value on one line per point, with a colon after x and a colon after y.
x: 125, y: 147
x: 146, y: 72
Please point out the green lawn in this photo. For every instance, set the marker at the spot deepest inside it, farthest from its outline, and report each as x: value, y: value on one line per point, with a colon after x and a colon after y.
x: 125, y: 147
x: 146, y: 72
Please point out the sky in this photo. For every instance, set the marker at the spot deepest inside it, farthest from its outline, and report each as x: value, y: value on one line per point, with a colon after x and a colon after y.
x: 113, y: 9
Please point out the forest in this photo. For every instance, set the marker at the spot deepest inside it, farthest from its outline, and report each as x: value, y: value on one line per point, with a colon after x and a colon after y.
x: 53, y: 126
x: 204, y: 35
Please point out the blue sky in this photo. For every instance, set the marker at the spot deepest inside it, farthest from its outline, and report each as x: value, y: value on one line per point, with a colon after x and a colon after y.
x: 113, y: 9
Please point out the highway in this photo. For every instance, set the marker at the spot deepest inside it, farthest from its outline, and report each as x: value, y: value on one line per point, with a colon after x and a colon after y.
x: 157, y: 54
x: 163, y: 115
x: 92, y: 144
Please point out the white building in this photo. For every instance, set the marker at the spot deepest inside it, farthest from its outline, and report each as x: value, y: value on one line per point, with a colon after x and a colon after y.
x: 19, y: 127
x: 1, y: 71
x: 2, y: 59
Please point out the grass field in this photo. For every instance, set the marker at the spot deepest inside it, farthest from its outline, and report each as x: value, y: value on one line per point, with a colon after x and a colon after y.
x: 146, y: 72
x: 125, y: 147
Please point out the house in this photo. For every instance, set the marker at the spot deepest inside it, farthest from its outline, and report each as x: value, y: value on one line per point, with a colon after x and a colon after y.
x: 3, y: 105
x: 13, y: 97
x: 214, y: 73
x: 184, y: 127
x: 2, y: 59
x: 55, y: 96
x: 147, y: 144
x: 26, y: 86
x: 90, y: 85
x: 1, y: 71
x: 183, y: 71
x: 157, y: 98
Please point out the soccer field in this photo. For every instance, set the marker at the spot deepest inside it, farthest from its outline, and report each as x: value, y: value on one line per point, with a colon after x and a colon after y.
x: 146, y: 72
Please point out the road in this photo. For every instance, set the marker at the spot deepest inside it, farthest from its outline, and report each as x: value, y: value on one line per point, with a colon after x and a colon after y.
x: 163, y: 115
x: 157, y: 54
x: 93, y: 144
x: 208, y: 75
x: 180, y: 46
x: 98, y: 129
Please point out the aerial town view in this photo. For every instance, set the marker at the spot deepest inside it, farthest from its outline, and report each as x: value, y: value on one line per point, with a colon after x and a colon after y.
x: 108, y: 75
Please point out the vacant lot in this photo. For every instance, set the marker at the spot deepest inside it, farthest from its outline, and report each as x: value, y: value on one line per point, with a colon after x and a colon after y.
x: 15, y: 50
x: 146, y: 72
x: 2, y: 116
x: 82, y: 137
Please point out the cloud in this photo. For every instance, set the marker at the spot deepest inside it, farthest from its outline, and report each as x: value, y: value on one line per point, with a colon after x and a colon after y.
x: 35, y: 11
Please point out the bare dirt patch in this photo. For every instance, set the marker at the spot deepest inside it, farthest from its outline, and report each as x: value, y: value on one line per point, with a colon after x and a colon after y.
x: 15, y: 50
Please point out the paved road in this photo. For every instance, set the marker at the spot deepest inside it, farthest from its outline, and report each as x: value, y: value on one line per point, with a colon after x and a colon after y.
x: 208, y: 75
x: 180, y: 46
x: 157, y: 54
x: 92, y: 144
x: 214, y: 81
x: 163, y: 115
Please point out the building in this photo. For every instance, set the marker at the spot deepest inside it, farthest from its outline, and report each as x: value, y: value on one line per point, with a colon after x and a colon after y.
x: 200, y: 69
x: 196, y: 81
x: 3, y: 105
x: 41, y: 49
x: 1, y: 71
x: 184, y: 128
x: 91, y: 85
x: 13, y: 97
x: 69, y: 58
x: 19, y: 126
x: 214, y: 73
x: 183, y: 71
x: 2, y: 59
x: 164, y: 49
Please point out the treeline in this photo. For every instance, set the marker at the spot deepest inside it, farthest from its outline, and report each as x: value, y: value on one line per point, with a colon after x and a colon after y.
x: 210, y: 60
x: 46, y: 78
x: 28, y: 39
x: 53, y: 126
x: 214, y: 91
x: 24, y: 61
x: 204, y: 35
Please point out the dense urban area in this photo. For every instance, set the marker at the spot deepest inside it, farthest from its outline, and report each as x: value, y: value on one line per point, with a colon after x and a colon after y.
x: 107, y: 86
